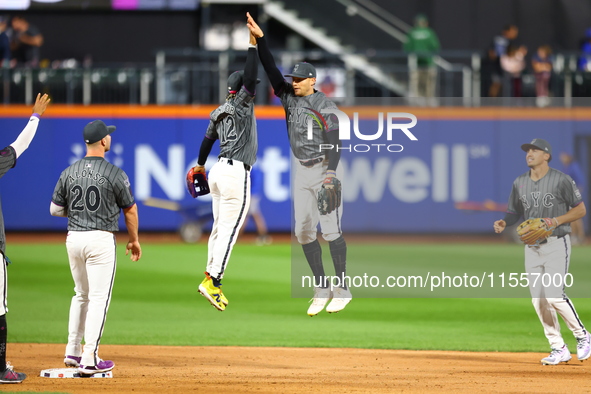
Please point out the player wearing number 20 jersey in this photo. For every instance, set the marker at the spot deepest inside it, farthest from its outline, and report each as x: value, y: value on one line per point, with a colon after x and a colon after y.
x: 91, y: 193
x: 96, y: 190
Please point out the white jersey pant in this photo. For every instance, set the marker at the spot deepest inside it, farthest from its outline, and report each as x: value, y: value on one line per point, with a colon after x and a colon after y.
x: 229, y: 185
x: 93, y: 263
x: 307, y: 182
x: 4, y: 286
x: 546, y: 262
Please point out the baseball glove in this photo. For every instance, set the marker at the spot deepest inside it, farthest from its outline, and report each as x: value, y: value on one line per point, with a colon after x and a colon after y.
x: 197, y: 183
x: 329, y: 195
x: 533, y: 231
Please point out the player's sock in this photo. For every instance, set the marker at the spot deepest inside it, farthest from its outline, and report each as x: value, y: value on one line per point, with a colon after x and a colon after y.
x: 3, y: 336
x: 313, y: 253
x: 338, y: 251
x: 216, y: 282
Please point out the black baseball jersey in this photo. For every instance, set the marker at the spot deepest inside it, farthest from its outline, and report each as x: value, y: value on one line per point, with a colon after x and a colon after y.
x: 7, y: 161
x: 298, y: 111
x: 93, y: 192
x: 234, y: 124
x: 553, y: 195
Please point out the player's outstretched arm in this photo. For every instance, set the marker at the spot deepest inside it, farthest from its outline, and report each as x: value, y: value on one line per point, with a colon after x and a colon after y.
x: 132, y: 221
x: 251, y: 68
x: 26, y: 136
x: 265, y: 55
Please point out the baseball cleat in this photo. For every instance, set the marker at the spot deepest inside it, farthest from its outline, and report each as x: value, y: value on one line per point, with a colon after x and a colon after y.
x: 584, y: 347
x: 72, y: 361
x: 9, y: 376
x: 340, y: 298
x: 102, y: 366
x: 213, y: 294
x: 319, y: 301
x: 557, y: 356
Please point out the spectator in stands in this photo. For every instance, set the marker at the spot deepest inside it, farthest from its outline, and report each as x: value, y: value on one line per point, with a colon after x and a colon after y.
x: 26, y: 41
x: 422, y: 41
x: 497, y: 49
x: 513, y: 63
x: 542, y: 65
x: 4, y: 42
x: 572, y: 169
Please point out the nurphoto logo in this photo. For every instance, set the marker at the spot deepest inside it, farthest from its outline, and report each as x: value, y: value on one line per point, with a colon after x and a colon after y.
x: 391, y: 123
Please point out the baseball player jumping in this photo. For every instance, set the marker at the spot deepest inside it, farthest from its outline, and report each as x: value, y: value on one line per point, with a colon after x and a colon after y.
x: 90, y: 193
x: 313, y: 169
x: 544, y: 192
x: 8, y: 158
x: 234, y: 124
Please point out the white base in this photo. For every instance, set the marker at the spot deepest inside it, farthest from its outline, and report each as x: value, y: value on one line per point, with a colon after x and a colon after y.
x: 72, y: 373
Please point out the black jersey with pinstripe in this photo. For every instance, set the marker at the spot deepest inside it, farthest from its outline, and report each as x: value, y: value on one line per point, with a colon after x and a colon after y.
x: 93, y: 192
x: 7, y: 161
x: 298, y: 112
x: 551, y: 196
x: 234, y: 124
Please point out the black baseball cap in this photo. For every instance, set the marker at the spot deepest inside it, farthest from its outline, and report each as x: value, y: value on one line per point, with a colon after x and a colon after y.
x: 538, y: 143
x: 302, y: 70
x: 96, y: 131
x: 235, y: 81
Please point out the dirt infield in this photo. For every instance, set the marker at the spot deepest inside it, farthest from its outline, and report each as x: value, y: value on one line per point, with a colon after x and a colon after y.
x: 168, y: 369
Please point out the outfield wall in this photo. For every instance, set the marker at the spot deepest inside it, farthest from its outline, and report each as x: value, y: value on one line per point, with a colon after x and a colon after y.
x: 460, y: 155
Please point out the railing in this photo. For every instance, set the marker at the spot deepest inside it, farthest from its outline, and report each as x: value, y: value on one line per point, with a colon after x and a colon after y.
x: 190, y: 76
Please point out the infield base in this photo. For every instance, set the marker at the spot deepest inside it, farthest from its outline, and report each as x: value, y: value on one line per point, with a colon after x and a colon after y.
x: 71, y: 373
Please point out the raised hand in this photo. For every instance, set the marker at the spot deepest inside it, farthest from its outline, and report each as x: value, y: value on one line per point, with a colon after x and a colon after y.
x: 41, y: 103
x: 255, y: 30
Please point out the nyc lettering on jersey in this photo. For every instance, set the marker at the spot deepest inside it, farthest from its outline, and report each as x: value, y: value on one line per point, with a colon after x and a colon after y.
x: 537, y: 200
x: 87, y: 173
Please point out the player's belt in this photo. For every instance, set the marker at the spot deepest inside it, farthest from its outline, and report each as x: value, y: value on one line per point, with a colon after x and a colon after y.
x: 310, y: 163
x: 231, y: 162
x: 551, y: 239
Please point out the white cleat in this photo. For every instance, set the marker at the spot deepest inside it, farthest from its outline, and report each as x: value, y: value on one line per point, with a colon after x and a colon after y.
x: 584, y: 347
x: 319, y: 301
x: 341, y: 297
x: 557, y: 356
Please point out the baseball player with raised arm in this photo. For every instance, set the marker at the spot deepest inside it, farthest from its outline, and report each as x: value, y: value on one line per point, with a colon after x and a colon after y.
x: 8, y: 158
x: 91, y: 193
x: 546, y: 193
x: 234, y: 125
x: 313, y: 170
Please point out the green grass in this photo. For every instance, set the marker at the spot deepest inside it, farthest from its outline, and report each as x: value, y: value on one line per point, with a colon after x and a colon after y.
x: 155, y: 301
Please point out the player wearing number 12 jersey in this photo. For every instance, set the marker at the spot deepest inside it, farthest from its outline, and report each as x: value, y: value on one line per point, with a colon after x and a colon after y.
x: 91, y: 192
